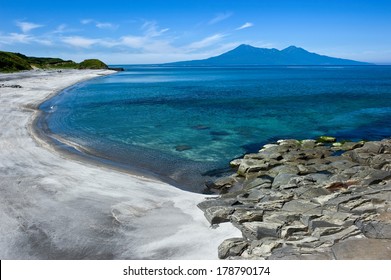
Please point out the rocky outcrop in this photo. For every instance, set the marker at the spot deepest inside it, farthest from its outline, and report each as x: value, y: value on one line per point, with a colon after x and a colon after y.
x: 310, y: 199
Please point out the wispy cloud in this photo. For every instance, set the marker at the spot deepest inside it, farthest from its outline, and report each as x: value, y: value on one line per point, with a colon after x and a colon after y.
x: 86, y: 21
x: 208, y: 41
x: 220, y: 17
x: 14, y: 38
x: 134, y: 42
x: 78, y: 41
x: 246, y: 25
x: 151, y: 29
x: 106, y: 25
x: 27, y: 26
x: 21, y: 38
x: 100, y: 25
x: 60, y: 29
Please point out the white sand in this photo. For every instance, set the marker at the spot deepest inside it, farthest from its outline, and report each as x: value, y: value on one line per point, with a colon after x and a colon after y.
x: 54, y: 207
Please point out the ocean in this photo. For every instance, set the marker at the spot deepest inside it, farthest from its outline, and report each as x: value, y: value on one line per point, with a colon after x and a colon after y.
x: 184, y: 125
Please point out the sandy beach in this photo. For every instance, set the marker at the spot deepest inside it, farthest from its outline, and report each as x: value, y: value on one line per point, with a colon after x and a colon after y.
x: 53, y: 206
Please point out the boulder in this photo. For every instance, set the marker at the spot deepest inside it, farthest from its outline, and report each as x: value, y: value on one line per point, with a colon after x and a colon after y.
x: 232, y: 247
x: 242, y: 215
x: 218, y: 214
x: 258, y: 230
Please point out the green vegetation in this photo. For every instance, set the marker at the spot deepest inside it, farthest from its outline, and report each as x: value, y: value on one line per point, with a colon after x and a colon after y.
x: 92, y: 64
x: 12, y: 62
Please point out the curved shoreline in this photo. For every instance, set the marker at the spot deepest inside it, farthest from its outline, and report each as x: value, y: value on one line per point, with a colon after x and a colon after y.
x: 72, y: 150
x: 55, y: 207
x: 137, y: 166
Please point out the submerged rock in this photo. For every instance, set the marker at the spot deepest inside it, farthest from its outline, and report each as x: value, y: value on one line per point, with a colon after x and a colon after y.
x: 181, y: 148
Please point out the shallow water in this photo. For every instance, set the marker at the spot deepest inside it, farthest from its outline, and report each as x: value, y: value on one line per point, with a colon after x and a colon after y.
x: 186, y: 124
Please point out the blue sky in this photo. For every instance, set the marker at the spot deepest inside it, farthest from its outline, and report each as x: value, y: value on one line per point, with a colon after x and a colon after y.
x: 151, y: 31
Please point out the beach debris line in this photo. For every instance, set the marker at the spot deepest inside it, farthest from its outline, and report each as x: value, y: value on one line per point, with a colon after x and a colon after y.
x: 10, y: 86
x: 309, y: 199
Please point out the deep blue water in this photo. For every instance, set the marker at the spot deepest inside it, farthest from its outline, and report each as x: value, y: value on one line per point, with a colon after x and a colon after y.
x: 184, y: 122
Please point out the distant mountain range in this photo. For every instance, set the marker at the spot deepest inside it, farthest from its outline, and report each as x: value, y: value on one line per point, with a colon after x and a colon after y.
x: 249, y: 55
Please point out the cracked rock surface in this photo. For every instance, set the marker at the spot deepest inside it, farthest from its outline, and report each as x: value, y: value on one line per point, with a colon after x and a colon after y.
x: 307, y: 200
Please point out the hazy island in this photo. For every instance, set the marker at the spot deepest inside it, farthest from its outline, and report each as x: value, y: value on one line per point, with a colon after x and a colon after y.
x: 246, y: 55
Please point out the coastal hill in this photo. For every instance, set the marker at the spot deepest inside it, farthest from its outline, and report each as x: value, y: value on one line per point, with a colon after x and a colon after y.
x: 11, y: 62
x: 249, y: 55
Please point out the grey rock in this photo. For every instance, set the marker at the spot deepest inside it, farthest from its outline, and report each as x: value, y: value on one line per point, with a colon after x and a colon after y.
x: 323, y: 223
x: 281, y: 216
x: 299, y: 206
x: 215, y: 202
x: 307, y: 218
x: 236, y: 162
x: 334, y: 235
x: 273, y: 205
x: 251, y: 196
x: 381, y: 160
x: 232, y: 247
x: 283, y: 169
x: 347, y: 146
x: 218, y: 214
x: 258, y: 230
x: 379, y: 227
x: 342, y: 164
x: 252, y: 165
x: 242, y: 216
x: 297, y: 200
x: 286, y: 253
x: 363, y: 249
x: 268, y: 154
x: 292, y: 229
x: 376, y: 176
x: 282, y: 179
x: 223, y: 182
x: 371, y: 147
x: 262, y: 182
x: 263, y: 248
x: 308, y: 144
x: 310, y: 193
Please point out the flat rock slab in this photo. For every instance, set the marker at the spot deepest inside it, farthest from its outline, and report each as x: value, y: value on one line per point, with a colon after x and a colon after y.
x: 363, y: 249
x: 258, y: 230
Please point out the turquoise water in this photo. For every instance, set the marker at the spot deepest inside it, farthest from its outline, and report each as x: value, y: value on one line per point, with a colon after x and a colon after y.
x: 188, y: 123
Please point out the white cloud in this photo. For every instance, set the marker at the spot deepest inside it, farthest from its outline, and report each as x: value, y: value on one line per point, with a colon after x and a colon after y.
x: 27, y: 26
x: 86, y: 21
x: 106, y: 25
x: 100, y: 25
x: 206, y: 41
x: 60, y: 29
x: 151, y: 29
x: 20, y: 38
x: 78, y: 41
x: 246, y: 25
x: 135, y: 42
x: 14, y: 38
x: 220, y: 17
